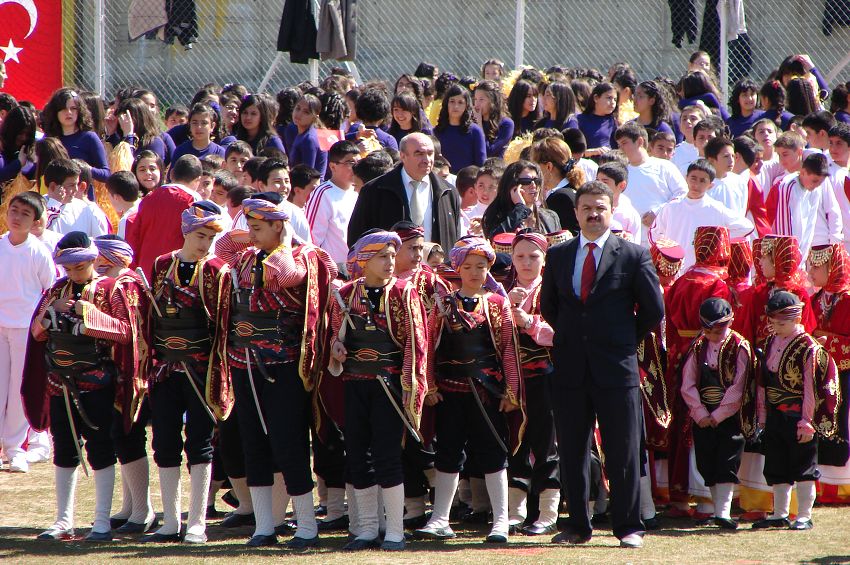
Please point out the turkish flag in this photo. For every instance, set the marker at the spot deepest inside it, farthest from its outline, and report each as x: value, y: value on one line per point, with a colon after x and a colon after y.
x: 328, y: 137
x: 31, y: 48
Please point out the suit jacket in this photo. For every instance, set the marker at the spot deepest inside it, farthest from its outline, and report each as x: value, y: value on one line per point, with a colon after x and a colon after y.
x: 383, y: 202
x: 599, y: 337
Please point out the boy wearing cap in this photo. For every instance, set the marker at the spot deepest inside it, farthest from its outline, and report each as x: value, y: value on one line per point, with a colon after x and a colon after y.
x: 798, y: 399
x: 186, y: 288
x: 378, y: 332
x: 474, y: 381
x: 715, y: 379
x: 79, y: 345
x: 279, y: 292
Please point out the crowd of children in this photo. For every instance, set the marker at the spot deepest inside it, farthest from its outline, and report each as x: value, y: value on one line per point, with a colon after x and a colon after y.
x: 192, y: 271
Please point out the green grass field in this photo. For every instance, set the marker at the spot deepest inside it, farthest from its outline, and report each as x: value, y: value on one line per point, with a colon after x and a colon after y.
x: 27, y: 507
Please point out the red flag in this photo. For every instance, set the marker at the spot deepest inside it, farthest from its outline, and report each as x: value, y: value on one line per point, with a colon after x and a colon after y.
x: 328, y: 137
x: 31, y: 48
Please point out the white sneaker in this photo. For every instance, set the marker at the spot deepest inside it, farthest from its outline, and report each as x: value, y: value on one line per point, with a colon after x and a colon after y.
x: 19, y: 464
x: 37, y: 456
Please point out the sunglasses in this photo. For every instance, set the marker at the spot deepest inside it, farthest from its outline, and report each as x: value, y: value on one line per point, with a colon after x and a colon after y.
x: 525, y: 181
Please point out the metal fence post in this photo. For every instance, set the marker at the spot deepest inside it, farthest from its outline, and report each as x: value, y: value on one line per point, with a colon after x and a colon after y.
x: 100, y: 46
x: 724, y: 50
x: 519, y: 33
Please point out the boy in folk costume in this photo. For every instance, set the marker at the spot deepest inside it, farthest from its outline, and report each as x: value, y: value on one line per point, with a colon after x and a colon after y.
x: 136, y: 514
x: 80, y: 344
x: 798, y: 398
x: 704, y: 280
x: 474, y: 380
x: 829, y: 270
x: 184, y: 318
x: 716, y: 377
x: 418, y: 460
x: 379, y: 338
x: 279, y: 292
x: 534, y: 338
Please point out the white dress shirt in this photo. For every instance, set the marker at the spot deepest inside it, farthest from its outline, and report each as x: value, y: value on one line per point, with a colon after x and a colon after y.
x: 582, y: 253
x: 423, y: 193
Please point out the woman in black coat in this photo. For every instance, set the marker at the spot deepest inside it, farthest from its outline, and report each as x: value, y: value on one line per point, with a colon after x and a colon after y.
x: 516, y: 205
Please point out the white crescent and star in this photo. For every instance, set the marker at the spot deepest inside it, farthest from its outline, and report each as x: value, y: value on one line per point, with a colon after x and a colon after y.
x: 10, y: 52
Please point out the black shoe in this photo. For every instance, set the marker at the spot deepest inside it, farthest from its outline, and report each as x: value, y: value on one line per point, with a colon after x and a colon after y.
x: 652, y: 523
x: 230, y: 499
x: 340, y: 523
x: 726, y: 523
x: 458, y: 512
x: 601, y: 518
x: 115, y: 523
x: 393, y: 545
x: 321, y: 510
x: 434, y: 533
x: 234, y: 520
x: 213, y: 514
x: 361, y: 544
x: 302, y: 543
x: 476, y: 518
x: 56, y: 534
x: 261, y: 541
x: 416, y: 522
x: 285, y: 529
x: 571, y: 537
x: 160, y: 538
x: 704, y: 521
x: 98, y: 537
x: 136, y: 528
x: 802, y: 525
x: 496, y: 538
x: 533, y: 530
x: 772, y: 523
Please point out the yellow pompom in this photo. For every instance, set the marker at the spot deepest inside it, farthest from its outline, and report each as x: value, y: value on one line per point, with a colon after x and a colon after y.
x: 515, y: 147
x: 10, y: 189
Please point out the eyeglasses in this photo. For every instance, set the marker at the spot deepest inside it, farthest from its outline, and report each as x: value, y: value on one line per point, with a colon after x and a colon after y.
x: 346, y: 163
x: 525, y: 181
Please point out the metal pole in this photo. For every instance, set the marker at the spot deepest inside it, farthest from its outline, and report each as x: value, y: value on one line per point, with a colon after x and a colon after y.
x: 519, y: 33
x: 100, y: 46
x: 314, y: 71
x: 724, y: 51
x: 272, y: 68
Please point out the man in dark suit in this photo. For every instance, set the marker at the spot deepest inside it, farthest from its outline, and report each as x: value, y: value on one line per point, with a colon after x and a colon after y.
x: 411, y: 191
x: 601, y: 295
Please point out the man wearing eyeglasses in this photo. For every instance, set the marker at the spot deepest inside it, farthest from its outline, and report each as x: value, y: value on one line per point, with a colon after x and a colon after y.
x: 412, y: 192
x: 330, y: 206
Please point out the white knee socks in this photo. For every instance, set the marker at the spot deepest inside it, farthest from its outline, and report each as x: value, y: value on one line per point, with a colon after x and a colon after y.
x: 497, y: 488
x: 305, y: 515
x: 549, y: 501
x: 66, y: 487
x: 722, y: 494
x: 199, y: 475
x: 335, y: 501
x: 517, y: 506
x: 137, y: 476
x: 805, y: 500
x: 781, y: 501
x: 367, y: 509
x: 445, y: 485
x: 647, y: 505
x: 104, y: 484
x: 243, y: 495
x: 394, y: 510
x: 280, y: 500
x: 261, y: 498
x: 169, y: 488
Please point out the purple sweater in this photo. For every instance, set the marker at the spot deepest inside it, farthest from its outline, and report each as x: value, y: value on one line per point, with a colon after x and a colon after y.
x: 598, y: 130
x: 842, y: 116
x: 10, y: 166
x: 504, y: 135
x: 306, y: 151
x: 463, y: 149
x: 186, y: 148
x: 86, y: 145
x: 739, y: 124
x: 274, y: 141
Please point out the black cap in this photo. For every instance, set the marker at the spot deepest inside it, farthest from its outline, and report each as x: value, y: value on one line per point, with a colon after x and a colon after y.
x: 74, y: 239
x: 715, y: 311
x: 208, y: 206
x: 782, y: 301
x: 273, y: 197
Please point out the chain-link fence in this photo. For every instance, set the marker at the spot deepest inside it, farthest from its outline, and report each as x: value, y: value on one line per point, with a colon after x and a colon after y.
x: 235, y: 40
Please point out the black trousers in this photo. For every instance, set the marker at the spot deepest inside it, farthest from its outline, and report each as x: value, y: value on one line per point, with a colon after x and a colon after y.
x: 329, y: 456
x: 170, y: 399
x: 539, y: 441
x: 786, y: 460
x: 460, y: 426
x: 230, y: 445
x: 415, y: 459
x: 287, y: 413
x: 98, y: 405
x: 373, y: 434
x: 133, y: 445
x: 620, y: 417
x: 718, y: 451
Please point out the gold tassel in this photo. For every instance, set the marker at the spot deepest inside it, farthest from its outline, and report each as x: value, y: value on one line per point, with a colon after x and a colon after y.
x: 515, y: 147
x: 18, y: 185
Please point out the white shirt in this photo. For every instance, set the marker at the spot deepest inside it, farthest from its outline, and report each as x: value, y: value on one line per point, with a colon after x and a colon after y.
x: 770, y: 172
x: 839, y: 178
x: 328, y: 211
x: 683, y: 155
x: 653, y: 184
x: 628, y: 218
x: 589, y: 167
x: 77, y: 215
x: 49, y: 238
x: 679, y: 220
x: 29, y: 272
x: 731, y: 191
x: 812, y: 216
x: 582, y: 253
x: 122, y: 223
x: 469, y: 214
x: 423, y: 192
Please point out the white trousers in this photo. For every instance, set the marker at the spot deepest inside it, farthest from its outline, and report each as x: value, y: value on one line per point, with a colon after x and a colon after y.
x: 13, y: 423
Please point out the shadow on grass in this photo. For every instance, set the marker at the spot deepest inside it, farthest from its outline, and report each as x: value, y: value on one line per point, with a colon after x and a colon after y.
x: 838, y: 559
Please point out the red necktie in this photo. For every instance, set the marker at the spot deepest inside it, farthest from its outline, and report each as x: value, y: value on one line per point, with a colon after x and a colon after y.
x: 588, y: 272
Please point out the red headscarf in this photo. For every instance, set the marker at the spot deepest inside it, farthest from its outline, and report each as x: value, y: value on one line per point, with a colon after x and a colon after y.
x: 839, y: 265
x: 712, y: 248
x: 667, y: 257
x: 537, y: 239
x: 786, y: 259
x: 741, y: 261
x: 758, y: 278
